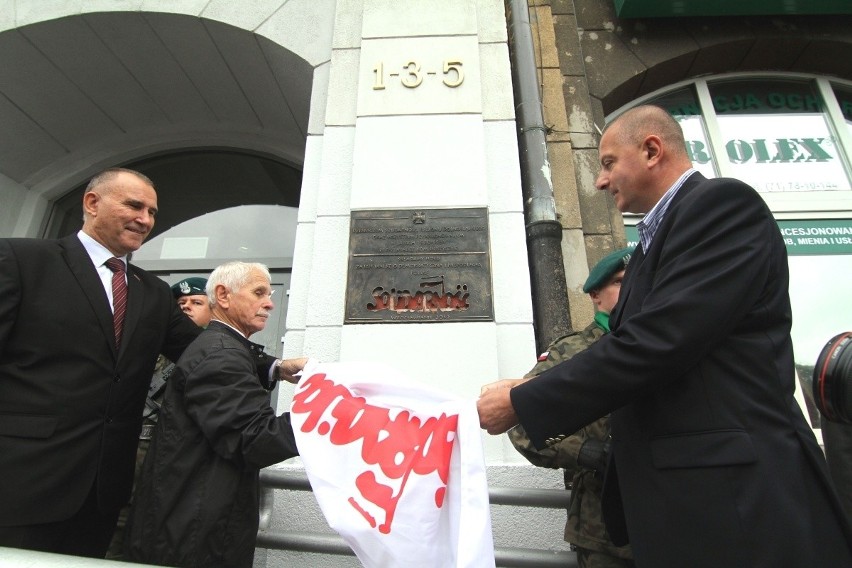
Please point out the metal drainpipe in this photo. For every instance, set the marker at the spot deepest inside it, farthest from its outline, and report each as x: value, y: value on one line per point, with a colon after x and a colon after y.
x: 543, y: 229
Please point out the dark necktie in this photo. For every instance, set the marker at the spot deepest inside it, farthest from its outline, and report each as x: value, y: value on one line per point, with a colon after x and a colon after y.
x: 119, y: 296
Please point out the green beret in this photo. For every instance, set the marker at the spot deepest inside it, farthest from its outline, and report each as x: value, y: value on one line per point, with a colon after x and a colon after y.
x: 193, y: 286
x: 609, y: 265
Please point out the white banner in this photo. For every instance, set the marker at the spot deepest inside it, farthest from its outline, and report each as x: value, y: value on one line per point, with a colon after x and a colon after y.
x: 397, y: 468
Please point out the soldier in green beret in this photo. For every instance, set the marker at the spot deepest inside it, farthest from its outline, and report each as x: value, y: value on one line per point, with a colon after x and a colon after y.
x: 192, y: 299
x: 583, y: 455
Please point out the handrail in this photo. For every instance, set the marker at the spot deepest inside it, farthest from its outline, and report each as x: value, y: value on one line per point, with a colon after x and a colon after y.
x: 517, y: 496
x: 19, y: 557
x: 334, y: 544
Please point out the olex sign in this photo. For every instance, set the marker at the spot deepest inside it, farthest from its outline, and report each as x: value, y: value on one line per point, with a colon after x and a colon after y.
x: 773, y: 153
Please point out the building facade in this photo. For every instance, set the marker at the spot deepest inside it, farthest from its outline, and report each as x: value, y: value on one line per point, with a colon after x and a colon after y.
x: 371, y: 152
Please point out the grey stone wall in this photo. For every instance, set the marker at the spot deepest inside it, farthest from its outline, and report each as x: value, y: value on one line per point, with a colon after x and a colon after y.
x: 625, y: 59
x: 604, y: 63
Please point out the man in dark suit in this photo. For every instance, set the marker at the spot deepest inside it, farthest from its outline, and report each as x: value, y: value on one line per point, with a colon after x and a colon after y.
x: 71, y: 393
x: 712, y: 461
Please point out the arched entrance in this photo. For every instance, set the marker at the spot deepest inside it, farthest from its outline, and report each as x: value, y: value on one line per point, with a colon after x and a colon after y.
x: 216, y: 115
x: 83, y: 92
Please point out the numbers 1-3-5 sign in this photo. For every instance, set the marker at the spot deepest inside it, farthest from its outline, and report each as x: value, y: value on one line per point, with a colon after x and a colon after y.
x: 411, y: 74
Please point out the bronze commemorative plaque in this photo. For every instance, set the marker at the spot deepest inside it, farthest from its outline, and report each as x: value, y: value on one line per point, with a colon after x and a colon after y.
x: 419, y: 265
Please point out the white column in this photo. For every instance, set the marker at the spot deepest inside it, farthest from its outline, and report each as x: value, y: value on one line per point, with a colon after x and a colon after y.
x: 419, y: 114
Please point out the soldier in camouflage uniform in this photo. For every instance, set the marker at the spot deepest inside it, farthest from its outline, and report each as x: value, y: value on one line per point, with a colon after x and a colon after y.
x: 583, y: 455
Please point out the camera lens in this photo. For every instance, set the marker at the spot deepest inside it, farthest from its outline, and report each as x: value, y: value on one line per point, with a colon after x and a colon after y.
x: 832, y: 382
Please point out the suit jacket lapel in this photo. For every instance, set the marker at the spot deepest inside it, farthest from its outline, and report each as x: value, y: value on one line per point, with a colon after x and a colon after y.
x: 632, y: 268
x: 90, y: 284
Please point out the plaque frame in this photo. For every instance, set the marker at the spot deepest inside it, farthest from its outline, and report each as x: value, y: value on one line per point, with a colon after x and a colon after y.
x: 419, y: 265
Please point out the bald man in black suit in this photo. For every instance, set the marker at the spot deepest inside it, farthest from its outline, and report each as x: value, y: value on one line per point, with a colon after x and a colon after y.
x: 712, y: 463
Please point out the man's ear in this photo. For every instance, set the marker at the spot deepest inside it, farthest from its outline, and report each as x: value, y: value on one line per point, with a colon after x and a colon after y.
x: 90, y: 203
x: 653, y: 148
x: 222, y: 295
x: 595, y: 295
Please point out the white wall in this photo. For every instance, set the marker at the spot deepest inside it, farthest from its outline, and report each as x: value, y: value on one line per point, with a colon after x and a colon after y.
x: 431, y: 146
x: 428, y: 146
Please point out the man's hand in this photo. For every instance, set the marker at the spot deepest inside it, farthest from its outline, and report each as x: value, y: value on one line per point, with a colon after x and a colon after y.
x: 496, y: 414
x: 502, y: 384
x: 286, y: 369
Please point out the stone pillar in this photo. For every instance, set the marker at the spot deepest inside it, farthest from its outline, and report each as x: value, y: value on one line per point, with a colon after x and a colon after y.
x: 593, y: 226
x: 419, y: 114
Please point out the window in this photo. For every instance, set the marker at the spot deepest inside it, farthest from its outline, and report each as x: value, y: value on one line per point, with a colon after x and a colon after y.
x: 776, y: 136
x: 844, y: 100
x: 683, y: 104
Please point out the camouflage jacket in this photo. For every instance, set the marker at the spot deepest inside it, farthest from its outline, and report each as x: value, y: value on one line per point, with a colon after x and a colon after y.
x: 584, y: 527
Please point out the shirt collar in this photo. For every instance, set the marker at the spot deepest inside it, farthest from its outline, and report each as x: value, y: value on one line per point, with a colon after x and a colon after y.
x: 653, y: 219
x: 257, y: 348
x: 240, y: 333
x: 96, y: 251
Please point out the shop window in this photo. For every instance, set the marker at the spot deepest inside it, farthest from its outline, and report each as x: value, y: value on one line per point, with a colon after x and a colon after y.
x: 820, y: 311
x: 776, y: 136
x: 844, y: 99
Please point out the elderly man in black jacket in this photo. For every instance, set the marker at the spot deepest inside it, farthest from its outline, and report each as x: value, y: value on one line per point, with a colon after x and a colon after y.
x: 197, y: 501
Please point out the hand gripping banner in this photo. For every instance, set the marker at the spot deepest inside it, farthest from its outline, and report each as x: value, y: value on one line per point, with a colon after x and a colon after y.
x: 397, y: 468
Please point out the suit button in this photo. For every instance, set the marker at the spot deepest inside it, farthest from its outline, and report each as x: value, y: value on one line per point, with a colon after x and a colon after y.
x: 109, y: 420
x: 117, y: 378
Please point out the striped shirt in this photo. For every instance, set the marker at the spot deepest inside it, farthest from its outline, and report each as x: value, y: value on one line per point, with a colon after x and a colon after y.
x: 648, y: 226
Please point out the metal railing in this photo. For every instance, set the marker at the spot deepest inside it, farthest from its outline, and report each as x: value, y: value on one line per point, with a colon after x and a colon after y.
x: 321, y: 543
